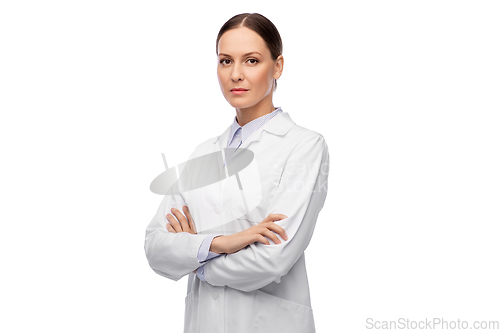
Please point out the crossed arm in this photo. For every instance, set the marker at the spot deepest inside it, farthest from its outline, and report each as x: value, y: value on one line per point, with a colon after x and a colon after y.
x: 172, y: 244
x: 231, y: 243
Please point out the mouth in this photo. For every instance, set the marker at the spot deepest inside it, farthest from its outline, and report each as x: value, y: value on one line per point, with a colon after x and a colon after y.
x: 238, y: 91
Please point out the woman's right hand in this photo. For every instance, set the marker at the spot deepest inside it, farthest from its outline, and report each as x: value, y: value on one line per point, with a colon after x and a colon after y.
x: 235, y: 242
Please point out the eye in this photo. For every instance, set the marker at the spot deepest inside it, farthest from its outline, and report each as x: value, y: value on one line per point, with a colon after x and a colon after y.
x: 251, y: 60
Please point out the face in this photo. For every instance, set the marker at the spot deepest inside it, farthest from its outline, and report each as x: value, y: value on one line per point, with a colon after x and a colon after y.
x: 244, y: 61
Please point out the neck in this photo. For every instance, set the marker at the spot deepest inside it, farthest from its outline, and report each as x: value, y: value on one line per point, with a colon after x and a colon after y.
x: 246, y: 115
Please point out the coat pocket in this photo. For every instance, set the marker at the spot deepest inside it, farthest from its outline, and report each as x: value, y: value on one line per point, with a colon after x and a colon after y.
x: 274, y: 314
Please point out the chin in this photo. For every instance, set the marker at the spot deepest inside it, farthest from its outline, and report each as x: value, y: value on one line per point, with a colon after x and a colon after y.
x: 241, y: 105
x: 238, y: 102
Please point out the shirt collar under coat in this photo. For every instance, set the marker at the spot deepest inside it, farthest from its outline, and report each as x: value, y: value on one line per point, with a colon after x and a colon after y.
x: 280, y: 124
x: 250, y: 127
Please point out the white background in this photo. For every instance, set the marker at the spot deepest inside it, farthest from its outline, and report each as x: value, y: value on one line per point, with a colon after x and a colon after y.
x: 406, y: 94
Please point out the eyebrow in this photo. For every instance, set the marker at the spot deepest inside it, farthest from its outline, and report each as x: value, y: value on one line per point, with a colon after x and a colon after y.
x: 246, y: 54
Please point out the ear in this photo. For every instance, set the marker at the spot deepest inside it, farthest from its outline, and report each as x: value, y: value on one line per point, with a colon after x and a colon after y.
x: 279, y: 67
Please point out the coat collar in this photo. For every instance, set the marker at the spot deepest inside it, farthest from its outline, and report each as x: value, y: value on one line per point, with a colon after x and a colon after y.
x: 278, y: 125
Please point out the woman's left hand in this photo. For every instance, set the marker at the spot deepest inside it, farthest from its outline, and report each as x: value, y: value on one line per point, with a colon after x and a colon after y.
x: 182, y: 225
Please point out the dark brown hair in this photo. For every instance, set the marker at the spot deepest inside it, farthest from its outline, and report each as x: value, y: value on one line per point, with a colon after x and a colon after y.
x: 262, y: 26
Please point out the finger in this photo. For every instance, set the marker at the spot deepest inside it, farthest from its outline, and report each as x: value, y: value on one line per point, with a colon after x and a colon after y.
x: 277, y: 229
x: 190, y: 219
x: 274, y: 217
x: 271, y: 235
x: 169, y: 228
x: 182, y: 219
x: 262, y: 239
x: 174, y: 223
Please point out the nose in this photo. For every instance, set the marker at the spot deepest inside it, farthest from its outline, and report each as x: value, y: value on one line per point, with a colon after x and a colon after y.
x: 236, y: 74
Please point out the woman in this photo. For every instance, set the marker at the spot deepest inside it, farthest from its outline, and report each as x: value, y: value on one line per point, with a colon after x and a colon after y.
x: 242, y: 238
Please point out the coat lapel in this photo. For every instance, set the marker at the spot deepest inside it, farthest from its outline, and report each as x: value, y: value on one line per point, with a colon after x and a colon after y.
x: 228, y: 200
x: 278, y: 125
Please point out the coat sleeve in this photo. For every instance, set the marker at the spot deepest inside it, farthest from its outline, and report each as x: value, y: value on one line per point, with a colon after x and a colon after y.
x: 300, y: 195
x: 171, y: 255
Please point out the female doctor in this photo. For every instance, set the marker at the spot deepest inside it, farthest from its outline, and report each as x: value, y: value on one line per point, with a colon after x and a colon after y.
x: 241, y: 239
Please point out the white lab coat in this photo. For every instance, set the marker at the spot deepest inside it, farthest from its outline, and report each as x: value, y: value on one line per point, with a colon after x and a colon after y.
x: 261, y: 288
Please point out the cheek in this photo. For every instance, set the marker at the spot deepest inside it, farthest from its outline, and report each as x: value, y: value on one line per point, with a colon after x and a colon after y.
x: 263, y: 79
x: 222, y: 79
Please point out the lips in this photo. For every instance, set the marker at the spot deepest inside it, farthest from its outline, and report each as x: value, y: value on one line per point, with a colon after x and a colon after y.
x: 238, y: 91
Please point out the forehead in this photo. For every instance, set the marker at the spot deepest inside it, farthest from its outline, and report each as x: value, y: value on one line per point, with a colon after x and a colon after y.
x: 240, y: 41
